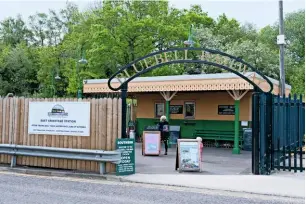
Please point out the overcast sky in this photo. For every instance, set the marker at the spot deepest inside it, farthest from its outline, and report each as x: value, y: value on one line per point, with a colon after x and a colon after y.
x: 260, y: 12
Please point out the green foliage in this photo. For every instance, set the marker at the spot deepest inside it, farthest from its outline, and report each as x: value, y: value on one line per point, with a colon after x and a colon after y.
x: 114, y: 33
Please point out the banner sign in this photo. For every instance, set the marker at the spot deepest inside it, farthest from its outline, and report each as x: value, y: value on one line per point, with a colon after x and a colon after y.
x: 59, y: 118
x: 127, y: 165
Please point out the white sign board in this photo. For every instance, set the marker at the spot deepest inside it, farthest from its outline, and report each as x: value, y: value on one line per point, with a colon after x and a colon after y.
x: 59, y: 118
x: 244, y: 123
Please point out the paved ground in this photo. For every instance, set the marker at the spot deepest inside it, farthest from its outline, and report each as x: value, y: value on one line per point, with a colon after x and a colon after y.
x: 29, y: 189
x: 216, y: 161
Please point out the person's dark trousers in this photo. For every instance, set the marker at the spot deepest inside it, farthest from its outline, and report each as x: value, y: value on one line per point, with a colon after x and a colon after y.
x: 166, y: 146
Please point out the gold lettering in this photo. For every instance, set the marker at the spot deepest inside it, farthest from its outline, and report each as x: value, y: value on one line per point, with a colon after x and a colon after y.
x: 202, y: 57
x: 231, y: 63
x: 175, y: 54
x: 244, y: 68
x: 126, y: 73
x: 135, y: 68
x: 166, y: 59
x: 120, y: 76
x: 146, y: 63
x: 141, y: 65
x: 160, y: 58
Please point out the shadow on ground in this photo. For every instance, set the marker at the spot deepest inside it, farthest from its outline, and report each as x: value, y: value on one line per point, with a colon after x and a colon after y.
x: 216, y: 161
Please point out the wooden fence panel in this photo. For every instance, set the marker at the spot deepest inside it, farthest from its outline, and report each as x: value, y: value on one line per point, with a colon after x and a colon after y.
x: 105, y: 121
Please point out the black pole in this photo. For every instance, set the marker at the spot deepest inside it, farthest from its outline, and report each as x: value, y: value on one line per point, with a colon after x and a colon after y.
x: 255, y: 132
x: 123, y: 119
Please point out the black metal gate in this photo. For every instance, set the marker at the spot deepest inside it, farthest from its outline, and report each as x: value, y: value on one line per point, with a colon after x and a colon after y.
x: 278, y: 133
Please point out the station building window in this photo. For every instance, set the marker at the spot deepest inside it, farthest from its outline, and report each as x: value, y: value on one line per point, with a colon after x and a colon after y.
x: 159, y: 110
x: 189, y: 108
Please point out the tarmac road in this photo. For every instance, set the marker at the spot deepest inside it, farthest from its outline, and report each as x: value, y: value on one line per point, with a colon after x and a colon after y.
x: 18, y: 188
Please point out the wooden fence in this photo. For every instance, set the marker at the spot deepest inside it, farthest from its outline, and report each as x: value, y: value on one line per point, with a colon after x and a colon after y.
x: 105, y: 127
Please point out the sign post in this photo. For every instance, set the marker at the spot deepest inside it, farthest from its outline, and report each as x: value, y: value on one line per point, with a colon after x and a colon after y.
x: 127, y: 165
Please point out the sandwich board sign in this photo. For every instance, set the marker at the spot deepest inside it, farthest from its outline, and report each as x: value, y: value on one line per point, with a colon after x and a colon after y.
x: 151, y: 142
x: 127, y: 164
x: 188, y: 155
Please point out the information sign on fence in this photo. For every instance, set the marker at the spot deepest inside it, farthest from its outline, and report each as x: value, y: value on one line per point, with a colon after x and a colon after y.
x: 59, y: 118
x: 127, y: 165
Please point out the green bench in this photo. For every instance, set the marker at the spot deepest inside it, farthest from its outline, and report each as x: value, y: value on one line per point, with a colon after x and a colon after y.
x: 218, y: 135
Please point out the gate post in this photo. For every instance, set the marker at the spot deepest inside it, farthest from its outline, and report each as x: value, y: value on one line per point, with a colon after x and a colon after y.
x: 255, y: 133
x: 123, y: 119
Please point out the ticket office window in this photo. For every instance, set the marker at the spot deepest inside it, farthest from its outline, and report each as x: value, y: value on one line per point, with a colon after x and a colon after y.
x: 189, y: 110
x: 159, y: 110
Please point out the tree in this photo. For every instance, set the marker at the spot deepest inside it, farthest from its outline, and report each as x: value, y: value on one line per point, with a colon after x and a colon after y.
x: 14, y: 31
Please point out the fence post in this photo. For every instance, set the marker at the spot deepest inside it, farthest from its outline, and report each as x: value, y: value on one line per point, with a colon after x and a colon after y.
x: 102, y: 168
x: 13, y: 161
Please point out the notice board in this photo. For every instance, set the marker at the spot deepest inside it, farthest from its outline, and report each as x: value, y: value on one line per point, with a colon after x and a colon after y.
x: 151, y: 142
x: 174, y: 134
x: 189, y: 155
x: 226, y: 110
x: 127, y: 164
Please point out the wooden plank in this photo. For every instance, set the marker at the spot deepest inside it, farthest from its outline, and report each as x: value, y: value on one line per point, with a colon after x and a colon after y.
x: 94, y: 116
x: 40, y: 141
x: 53, y: 143
x: 114, y: 131
x: 86, y: 144
x: 19, y: 130
x: 119, y: 117
x: 2, y: 119
x: 45, y: 161
x: 25, y: 124
x: 74, y: 145
x: 57, y: 143
x: 7, y: 125
x: 79, y: 146
x: 103, y: 118
x: 68, y: 144
x: 109, y: 129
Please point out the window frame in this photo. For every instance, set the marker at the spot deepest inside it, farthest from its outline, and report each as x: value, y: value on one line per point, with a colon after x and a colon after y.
x: 189, y: 102
x: 155, y: 109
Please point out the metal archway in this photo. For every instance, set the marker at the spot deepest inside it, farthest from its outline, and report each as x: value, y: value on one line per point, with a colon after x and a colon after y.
x: 180, y: 55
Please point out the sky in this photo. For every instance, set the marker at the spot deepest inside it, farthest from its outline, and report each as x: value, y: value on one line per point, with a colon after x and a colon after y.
x: 260, y: 12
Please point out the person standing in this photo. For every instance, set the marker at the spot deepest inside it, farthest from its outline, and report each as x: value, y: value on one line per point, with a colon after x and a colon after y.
x: 164, y: 130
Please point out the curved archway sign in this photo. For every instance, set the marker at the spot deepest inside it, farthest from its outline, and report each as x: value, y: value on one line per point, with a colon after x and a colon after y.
x: 179, y: 55
x: 183, y: 55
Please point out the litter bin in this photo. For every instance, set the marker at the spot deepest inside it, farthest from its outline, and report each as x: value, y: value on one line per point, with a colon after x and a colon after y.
x: 247, y: 139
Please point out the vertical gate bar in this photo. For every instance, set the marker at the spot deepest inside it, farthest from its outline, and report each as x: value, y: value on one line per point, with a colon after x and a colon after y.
x: 255, y: 133
x: 279, y: 132
x: 269, y: 130
x: 262, y: 134
x: 284, y: 132
x: 123, y: 119
x: 289, y: 130
x: 300, y: 132
x: 274, y: 141
x: 295, y: 136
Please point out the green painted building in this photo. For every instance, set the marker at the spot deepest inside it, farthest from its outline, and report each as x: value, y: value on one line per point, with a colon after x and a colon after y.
x: 208, y: 104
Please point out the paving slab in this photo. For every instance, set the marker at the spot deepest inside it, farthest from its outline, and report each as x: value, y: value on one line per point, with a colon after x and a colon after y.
x: 215, y: 161
x: 264, y: 185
